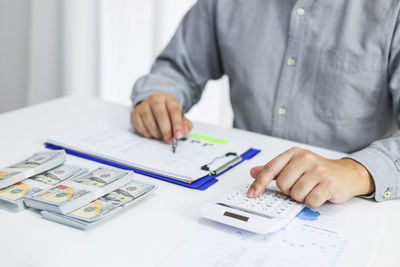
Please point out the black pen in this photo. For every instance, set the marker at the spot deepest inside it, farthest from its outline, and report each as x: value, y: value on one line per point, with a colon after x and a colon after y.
x: 174, y: 144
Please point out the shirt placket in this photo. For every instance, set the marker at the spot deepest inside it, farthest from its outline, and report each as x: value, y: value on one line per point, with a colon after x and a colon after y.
x: 291, y: 63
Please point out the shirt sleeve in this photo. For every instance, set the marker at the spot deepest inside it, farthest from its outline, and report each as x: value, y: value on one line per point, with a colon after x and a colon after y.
x: 188, y: 62
x: 382, y: 157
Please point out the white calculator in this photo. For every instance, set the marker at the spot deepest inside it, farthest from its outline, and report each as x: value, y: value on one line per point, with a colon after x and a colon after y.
x: 267, y: 213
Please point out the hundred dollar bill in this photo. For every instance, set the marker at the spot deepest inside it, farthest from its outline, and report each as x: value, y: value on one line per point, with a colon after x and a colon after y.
x: 103, y: 207
x: 12, y: 197
x: 38, y: 163
x: 72, y: 194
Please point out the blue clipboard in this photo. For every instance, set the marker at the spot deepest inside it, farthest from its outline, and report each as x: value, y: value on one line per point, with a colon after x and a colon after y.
x: 200, y: 184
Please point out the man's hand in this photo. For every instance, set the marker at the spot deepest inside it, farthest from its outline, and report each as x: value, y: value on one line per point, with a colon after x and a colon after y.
x: 312, y: 179
x: 160, y: 116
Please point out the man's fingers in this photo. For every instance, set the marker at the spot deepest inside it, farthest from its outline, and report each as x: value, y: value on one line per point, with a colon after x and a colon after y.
x: 264, y: 178
x: 318, y: 196
x: 294, y: 169
x: 175, y: 115
x: 303, y: 186
x: 255, y: 171
x: 149, y: 121
x: 138, y: 124
x: 161, y: 115
x: 270, y: 171
x: 188, y: 126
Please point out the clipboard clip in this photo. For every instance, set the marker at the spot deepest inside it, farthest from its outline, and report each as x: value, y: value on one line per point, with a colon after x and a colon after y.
x: 225, y: 166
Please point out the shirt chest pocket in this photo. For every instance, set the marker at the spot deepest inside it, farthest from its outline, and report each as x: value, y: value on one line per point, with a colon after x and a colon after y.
x: 347, y: 85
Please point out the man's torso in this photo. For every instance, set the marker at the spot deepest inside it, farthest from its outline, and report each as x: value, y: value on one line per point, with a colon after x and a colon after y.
x: 314, y: 71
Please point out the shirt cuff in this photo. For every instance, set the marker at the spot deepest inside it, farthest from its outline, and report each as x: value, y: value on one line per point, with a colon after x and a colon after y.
x: 383, y: 170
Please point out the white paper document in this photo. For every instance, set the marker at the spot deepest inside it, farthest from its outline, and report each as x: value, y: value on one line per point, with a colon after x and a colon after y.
x: 331, y: 236
x: 121, y: 145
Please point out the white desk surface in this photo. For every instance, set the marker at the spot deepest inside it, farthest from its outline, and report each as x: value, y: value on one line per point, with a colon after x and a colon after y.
x: 148, y: 232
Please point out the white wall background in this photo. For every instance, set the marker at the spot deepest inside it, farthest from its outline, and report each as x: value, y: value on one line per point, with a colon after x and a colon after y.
x: 51, y: 48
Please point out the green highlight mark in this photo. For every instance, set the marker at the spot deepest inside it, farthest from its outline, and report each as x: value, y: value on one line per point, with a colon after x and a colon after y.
x: 209, y: 139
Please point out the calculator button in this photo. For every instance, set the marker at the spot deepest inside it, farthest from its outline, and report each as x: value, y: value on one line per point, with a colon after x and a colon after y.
x: 270, y: 203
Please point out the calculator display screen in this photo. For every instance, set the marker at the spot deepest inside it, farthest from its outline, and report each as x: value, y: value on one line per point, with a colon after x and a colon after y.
x: 236, y: 216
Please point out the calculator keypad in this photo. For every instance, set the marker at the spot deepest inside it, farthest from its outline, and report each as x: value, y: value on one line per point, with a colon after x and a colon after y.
x: 270, y: 203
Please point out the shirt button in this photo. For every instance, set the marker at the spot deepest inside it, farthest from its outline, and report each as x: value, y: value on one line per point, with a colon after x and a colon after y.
x: 301, y: 12
x: 282, y: 111
x: 387, y: 194
x: 291, y: 62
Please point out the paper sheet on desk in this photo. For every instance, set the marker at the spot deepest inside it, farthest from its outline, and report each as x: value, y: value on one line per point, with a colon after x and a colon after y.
x: 119, y: 144
x: 337, y: 236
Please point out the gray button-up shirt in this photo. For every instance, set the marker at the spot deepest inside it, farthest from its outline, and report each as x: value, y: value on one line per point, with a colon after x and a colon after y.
x: 321, y: 72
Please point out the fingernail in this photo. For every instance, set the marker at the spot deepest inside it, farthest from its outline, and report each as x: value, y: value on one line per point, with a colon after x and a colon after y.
x: 251, y: 192
x: 178, y: 134
x: 169, y: 141
x: 185, y: 125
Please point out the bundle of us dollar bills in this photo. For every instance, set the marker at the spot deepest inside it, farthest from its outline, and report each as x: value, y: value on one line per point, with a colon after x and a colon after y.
x: 103, y: 207
x: 12, y: 197
x: 38, y: 163
x: 74, y: 193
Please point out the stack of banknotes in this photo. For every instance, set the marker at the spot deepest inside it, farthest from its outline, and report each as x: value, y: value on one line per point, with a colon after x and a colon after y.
x: 38, y: 163
x: 67, y: 193
x: 28, y: 176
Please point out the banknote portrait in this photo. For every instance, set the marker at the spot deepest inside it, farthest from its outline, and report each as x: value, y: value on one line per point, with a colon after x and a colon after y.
x: 119, y: 195
x: 46, y: 178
